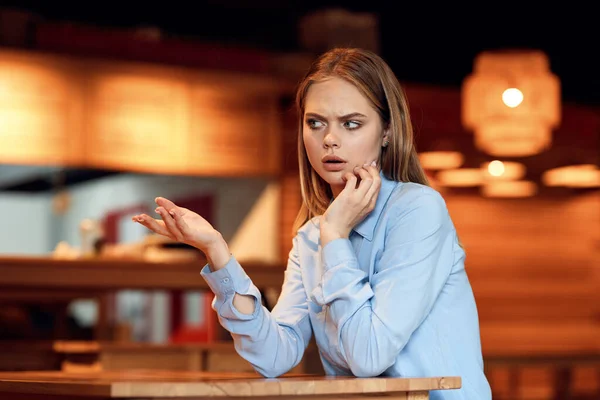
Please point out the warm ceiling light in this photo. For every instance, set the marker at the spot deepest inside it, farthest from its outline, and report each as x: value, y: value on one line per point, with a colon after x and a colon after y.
x: 511, y: 102
x: 503, y: 170
x: 512, y: 97
x: 496, y: 168
x: 462, y: 177
x: 509, y: 189
x: 438, y: 160
x: 574, y: 176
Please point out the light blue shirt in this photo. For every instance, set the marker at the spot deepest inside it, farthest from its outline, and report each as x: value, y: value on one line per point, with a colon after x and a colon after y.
x: 394, y: 299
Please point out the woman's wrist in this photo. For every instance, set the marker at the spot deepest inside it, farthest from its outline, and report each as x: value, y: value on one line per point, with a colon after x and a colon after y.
x: 217, y: 252
x: 329, y: 233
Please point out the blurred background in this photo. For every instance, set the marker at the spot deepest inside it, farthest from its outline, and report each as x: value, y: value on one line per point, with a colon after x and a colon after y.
x: 106, y: 105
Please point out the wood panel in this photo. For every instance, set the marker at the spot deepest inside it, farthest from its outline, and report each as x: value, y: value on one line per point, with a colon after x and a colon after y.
x: 232, y: 132
x: 40, y: 108
x: 140, y: 117
x: 534, y: 265
x: 540, y: 257
x: 136, y: 118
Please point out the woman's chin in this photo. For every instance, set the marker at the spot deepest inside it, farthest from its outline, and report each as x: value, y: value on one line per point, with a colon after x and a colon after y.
x: 334, y: 178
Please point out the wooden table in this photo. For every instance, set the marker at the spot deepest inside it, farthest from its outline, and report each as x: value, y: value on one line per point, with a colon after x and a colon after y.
x: 164, y: 385
x: 32, y: 274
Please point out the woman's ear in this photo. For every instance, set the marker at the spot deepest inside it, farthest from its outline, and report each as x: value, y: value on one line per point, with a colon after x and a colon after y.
x: 386, y: 137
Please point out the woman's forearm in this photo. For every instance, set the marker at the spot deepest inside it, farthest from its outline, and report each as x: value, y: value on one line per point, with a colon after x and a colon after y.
x: 217, y: 256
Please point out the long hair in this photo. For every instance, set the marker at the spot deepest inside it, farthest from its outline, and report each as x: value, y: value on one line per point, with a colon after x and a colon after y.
x: 371, y: 75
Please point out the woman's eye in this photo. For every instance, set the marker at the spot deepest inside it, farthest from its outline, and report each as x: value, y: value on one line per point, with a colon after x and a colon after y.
x: 350, y: 125
x: 314, y: 124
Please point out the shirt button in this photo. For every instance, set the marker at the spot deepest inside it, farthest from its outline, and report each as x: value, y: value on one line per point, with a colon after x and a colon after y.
x: 225, y: 280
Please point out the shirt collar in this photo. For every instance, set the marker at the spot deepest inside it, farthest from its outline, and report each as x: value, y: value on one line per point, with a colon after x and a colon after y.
x: 366, y: 228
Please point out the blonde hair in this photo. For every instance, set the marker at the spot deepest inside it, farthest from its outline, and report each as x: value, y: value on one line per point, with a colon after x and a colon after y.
x: 371, y: 75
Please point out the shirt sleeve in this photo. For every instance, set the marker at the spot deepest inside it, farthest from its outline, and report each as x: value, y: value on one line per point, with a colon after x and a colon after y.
x: 372, y: 321
x: 273, y: 342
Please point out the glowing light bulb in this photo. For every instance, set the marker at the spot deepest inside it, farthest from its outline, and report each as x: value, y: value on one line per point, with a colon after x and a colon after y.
x: 496, y: 168
x: 512, y: 97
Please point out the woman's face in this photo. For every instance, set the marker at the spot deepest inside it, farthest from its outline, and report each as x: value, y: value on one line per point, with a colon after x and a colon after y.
x: 341, y: 130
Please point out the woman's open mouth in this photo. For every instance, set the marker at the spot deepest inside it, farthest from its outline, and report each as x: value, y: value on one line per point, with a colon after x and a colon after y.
x: 333, y: 163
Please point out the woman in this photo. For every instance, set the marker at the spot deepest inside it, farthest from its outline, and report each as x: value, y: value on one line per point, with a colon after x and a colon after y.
x: 376, y: 270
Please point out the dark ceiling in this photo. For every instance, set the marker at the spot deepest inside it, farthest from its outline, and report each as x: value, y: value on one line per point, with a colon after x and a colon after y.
x: 422, y: 41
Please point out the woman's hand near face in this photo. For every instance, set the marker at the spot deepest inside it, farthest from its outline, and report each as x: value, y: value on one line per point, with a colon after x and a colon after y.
x: 352, y: 205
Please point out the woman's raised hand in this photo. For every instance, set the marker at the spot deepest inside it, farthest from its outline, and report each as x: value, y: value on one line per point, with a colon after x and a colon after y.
x: 185, y: 226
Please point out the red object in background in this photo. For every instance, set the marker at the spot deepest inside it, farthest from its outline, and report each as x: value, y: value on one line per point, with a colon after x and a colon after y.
x: 206, y: 332
x: 112, y: 219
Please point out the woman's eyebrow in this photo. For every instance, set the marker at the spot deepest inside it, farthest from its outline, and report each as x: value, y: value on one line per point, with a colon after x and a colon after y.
x: 343, y: 117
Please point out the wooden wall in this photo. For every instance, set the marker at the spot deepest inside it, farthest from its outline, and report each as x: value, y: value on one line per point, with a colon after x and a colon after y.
x: 532, y: 260
x: 534, y: 265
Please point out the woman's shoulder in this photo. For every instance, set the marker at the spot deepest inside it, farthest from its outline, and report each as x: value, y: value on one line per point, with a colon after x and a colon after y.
x: 408, y: 197
x: 409, y: 192
x: 310, y: 231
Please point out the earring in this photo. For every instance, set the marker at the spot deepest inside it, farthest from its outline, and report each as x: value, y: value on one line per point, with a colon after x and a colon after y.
x: 385, y: 143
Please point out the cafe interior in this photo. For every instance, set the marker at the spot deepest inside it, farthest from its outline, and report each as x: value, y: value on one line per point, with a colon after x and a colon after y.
x: 104, y: 109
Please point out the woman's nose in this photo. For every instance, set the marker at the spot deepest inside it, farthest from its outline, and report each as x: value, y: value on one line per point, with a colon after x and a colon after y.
x: 331, y: 140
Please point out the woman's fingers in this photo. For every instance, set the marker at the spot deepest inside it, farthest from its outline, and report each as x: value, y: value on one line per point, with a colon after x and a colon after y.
x: 368, y: 189
x: 366, y: 181
x: 374, y: 172
x: 180, y: 222
x: 170, y: 223
x: 350, y: 179
x: 154, y: 225
x: 165, y: 203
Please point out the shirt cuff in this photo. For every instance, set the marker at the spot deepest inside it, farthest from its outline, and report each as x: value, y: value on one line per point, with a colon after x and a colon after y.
x: 337, y: 252
x: 228, y: 281
x: 221, y: 282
